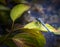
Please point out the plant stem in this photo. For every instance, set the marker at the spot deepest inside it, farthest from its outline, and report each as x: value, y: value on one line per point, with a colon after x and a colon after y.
x: 12, y: 28
x: 6, y: 37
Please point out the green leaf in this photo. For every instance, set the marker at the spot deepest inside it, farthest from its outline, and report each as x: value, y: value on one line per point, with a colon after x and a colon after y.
x: 18, y: 10
x: 2, y: 7
x: 23, y: 39
x: 39, y: 26
x: 51, y: 28
x: 9, y: 42
x: 57, y: 31
x: 30, y: 38
x: 33, y: 25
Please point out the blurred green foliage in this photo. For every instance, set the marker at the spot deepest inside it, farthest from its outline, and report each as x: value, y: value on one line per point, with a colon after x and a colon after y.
x: 26, y: 37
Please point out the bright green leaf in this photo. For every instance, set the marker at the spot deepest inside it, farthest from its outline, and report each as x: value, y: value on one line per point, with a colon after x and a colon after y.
x: 51, y: 28
x: 18, y: 10
x: 33, y: 25
x: 57, y: 31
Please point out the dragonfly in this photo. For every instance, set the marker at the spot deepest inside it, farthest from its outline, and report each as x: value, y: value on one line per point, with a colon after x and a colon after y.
x: 48, y: 35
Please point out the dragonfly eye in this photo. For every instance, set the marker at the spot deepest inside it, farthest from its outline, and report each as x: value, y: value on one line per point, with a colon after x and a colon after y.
x: 29, y: 12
